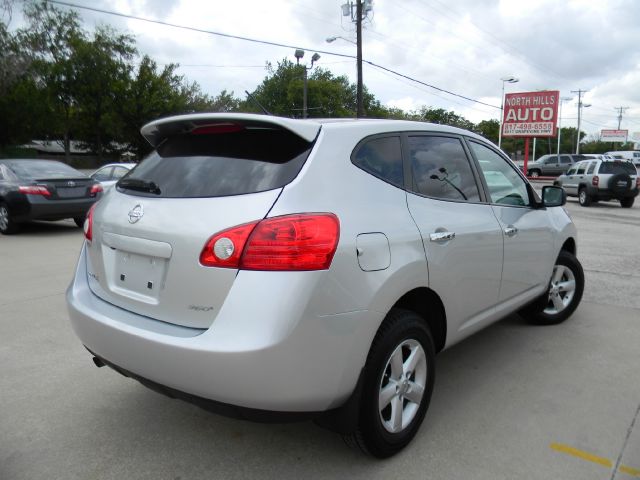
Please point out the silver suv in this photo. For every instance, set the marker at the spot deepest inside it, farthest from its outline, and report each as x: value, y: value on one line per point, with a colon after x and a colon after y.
x: 278, y: 269
x: 601, y: 179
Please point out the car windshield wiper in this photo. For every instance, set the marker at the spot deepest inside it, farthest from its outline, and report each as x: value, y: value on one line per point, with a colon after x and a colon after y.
x: 139, y: 184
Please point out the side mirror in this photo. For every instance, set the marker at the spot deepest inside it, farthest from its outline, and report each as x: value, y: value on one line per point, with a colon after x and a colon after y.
x: 553, y: 196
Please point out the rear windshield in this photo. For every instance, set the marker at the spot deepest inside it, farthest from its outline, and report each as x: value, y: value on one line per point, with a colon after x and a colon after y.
x: 214, y: 165
x: 43, y: 169
x: 618, y: 167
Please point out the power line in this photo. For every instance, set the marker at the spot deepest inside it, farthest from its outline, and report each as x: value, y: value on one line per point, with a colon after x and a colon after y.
x: 264, y: 42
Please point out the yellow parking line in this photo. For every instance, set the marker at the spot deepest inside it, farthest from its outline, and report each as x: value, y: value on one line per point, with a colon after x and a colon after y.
x: 590, y: 457
x: 558, y: 447
x: 634, y: 472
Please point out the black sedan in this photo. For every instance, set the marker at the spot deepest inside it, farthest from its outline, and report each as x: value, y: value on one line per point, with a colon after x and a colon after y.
x: 43, y: 190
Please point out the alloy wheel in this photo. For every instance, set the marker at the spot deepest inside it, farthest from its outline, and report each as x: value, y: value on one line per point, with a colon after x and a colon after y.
x: 402, y: 386
x: 561, y: 290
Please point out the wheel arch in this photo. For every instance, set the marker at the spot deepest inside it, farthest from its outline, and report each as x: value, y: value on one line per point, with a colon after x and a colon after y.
x: 428, y: 305
x: 569, y: 245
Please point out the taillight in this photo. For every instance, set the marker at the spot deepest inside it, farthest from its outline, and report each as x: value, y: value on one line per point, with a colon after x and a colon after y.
x: 95, y: 189
x: 34, y: 190
x: 291, y: 242
x: 638, y: 182
x: 225, y: 248
x: 595, y: 181
x: 88, y: 223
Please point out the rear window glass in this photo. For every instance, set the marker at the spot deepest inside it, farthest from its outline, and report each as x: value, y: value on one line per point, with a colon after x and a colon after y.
x: 43, y: 169
x: 617, y: 167
x: 214, y: 165
x: 381, y: 157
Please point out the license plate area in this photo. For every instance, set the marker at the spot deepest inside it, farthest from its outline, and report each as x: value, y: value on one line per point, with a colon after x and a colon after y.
x: 139, y: 277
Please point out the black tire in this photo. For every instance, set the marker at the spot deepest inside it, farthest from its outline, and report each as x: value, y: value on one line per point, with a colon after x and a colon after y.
x: 7, y: 224
x: 372, y: 436
x: 540, y: 312
x: 627, y: 202
x: 79, y: 221
x: 534, y: 173
x: 584, y: 199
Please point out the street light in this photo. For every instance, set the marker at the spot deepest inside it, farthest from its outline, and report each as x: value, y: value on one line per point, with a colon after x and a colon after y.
x: 299, y: 53
x: 333, y: 39
x: 507, y: 79
x: 562, y: 99
x: 580, y: 107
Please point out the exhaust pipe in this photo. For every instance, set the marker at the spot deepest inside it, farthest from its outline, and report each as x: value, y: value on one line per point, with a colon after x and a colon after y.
x: 98, y: 363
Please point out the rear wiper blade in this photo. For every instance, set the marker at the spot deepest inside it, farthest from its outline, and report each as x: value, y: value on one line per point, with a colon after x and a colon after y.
x: 139, y: 184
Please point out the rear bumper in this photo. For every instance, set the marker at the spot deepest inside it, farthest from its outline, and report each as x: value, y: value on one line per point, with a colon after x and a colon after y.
x: 296, y: 362
x: 43, y: 209
x: 606, y: 193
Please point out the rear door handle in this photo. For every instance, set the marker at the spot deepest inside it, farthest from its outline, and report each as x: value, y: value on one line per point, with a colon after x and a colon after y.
x: 510, y: 231
x: 441, y: 237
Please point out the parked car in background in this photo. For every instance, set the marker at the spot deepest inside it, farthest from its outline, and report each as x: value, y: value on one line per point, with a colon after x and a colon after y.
x: 631, y: 155
x: 109, y: 174
x: 601, y: 179
x: 43, y: 190
x: 550, y: 165
x: 270, y: 268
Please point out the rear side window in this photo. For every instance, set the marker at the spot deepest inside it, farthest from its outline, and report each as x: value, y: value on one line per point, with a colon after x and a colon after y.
x: 382, y: 158
x: 581, y: 168
x: 565, y: 159
x: 248, y: 160
x: 440, y: 169
x: 618, y: 167
x: 592, y: 167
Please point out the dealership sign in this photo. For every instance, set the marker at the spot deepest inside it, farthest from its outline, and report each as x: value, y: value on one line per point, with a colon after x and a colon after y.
x: 530, y: 114
x: 614, y: 135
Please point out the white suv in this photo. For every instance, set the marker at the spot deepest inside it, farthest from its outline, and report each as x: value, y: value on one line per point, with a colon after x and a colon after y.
x: 270, y: 268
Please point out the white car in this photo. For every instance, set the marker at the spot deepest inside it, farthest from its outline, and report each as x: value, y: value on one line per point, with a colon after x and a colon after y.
x: 270, y: 268
x: 109, y: 174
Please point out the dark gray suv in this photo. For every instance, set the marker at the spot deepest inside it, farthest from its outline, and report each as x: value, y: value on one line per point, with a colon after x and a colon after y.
x: 550, y: 165
x: 601, y: 179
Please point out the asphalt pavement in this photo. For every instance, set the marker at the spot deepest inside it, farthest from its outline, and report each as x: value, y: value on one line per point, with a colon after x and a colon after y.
x: 513, y: 401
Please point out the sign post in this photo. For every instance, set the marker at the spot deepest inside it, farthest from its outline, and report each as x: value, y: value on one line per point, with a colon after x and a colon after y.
x: 530, y: 114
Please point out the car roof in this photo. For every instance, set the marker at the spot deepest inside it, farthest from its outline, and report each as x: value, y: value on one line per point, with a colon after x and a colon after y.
x: 308, y: 129
x: 126, y: 165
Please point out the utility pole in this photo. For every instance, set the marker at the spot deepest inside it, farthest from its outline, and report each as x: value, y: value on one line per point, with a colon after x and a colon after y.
x: 620, y: 112
x: 579, y: 92
x: 357, y: 11
x: 360, y: 108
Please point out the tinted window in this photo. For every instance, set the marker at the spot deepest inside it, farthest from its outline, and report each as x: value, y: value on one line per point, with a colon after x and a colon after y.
x: 103, y: 174
x: 565, y: 159
x: 440, y: 168
x: 213, y: 165
x: 581, y: 168
x: 551, y: 160
x: 592, y: 167
x: 618, y: 167
x: 506, y: 187
x: 381, y: 157
x: 42, y: 169
x: 572, y: 171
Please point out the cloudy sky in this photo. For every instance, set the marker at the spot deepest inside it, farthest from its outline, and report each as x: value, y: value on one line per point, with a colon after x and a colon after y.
x: 464, y: 46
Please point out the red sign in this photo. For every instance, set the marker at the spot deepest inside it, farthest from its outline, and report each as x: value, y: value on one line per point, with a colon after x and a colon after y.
x: 531, y: 114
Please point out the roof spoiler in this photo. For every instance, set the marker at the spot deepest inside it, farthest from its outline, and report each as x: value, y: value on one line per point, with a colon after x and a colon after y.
x: 158, y: 130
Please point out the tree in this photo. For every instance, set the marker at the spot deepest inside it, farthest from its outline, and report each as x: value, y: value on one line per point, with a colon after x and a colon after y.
x: 100, y: 80
x: 50, y: 37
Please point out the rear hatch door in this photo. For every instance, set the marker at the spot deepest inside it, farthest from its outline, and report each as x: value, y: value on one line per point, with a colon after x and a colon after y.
x: 204, y: 177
